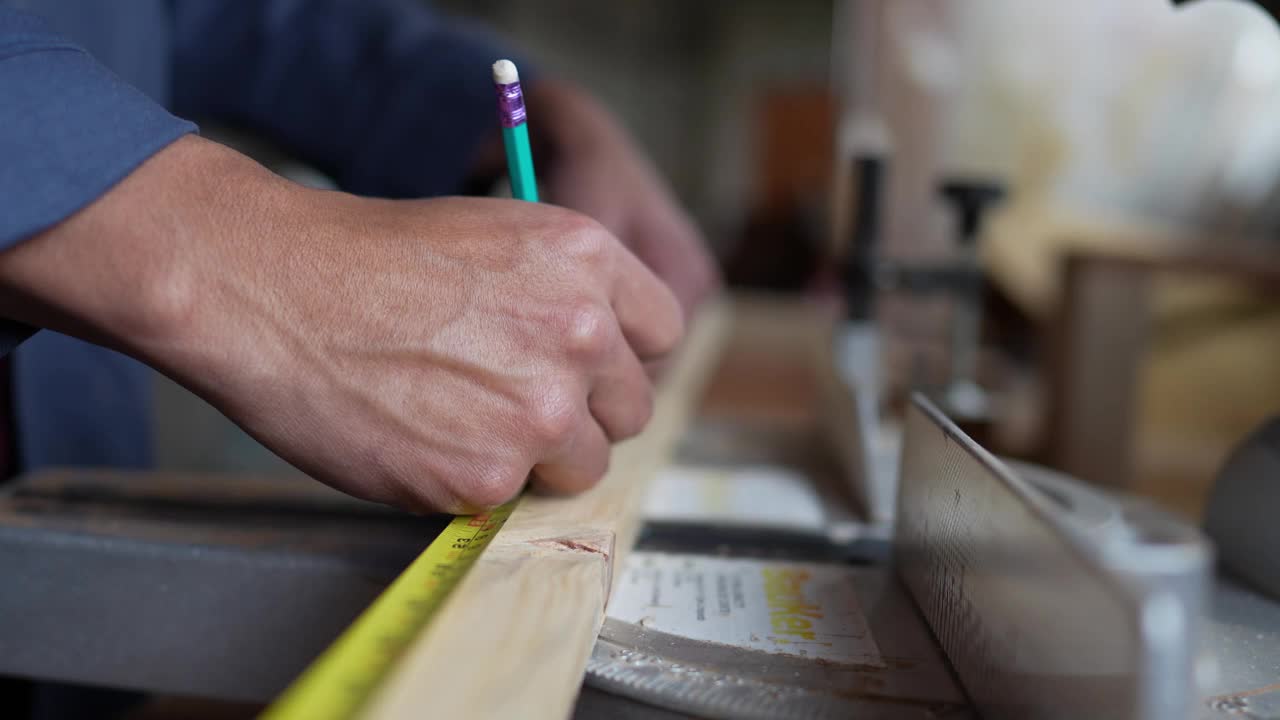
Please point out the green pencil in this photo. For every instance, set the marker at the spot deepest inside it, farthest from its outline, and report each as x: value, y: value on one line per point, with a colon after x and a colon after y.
x: 515, y: 131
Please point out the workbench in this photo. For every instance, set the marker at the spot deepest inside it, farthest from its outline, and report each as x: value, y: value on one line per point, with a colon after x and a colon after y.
x: 227, y: 586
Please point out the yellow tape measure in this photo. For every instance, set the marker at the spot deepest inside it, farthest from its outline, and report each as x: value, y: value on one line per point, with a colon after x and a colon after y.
x: 338, y: 684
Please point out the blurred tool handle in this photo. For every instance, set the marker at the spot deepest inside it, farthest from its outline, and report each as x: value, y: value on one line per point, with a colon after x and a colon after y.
x: 860, y: 257
x: 970, y: 198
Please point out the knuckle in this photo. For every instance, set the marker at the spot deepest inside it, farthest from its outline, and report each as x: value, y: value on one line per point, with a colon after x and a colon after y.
x: 411, y: 483
x: 584, y: 239
x: 588, y: 330
x: 553, y: 416
x: 488, y: 486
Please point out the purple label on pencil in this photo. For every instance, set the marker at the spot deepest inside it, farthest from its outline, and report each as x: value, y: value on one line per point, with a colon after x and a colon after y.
x: 510, y: 105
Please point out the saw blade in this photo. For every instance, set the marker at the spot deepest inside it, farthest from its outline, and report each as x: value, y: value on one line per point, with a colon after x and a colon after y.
x: 770, y: 638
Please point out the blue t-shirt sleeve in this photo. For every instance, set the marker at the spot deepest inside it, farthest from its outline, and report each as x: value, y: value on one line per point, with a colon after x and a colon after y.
x: 386, y: 96
x: 69, y: 131
x: 69, y: 128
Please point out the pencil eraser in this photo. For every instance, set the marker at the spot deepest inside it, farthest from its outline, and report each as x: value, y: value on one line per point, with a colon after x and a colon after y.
x: 505, y: 73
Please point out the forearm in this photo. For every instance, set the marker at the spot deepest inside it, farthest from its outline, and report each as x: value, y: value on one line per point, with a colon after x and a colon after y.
x: 121, y: 272
x: 424, y: 353
x: 69, y: 131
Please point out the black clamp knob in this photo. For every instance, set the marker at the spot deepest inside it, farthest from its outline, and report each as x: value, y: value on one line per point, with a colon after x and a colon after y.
x: 971, y: 198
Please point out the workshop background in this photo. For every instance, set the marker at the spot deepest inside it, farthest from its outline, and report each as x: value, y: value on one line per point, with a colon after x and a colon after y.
x: 1130, y: 265
x: 1134, y: 253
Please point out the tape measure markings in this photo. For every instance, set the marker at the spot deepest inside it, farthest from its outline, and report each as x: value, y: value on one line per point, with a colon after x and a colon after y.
x: 338, y: 684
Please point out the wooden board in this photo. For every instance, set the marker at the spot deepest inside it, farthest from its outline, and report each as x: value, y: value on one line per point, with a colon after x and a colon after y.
x: 514, y: 637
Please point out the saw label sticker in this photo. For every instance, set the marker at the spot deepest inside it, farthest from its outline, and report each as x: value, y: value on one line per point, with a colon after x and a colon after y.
x: 802, y: 609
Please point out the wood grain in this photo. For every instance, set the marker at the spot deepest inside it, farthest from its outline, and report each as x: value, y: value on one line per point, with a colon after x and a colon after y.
x: 514, y: 637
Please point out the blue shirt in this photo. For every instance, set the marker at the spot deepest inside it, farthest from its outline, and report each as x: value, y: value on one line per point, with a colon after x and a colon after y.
x: 385, y: 96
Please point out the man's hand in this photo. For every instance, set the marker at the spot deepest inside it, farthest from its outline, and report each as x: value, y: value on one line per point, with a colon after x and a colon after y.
x: 592, y: 166
x: 428, y: 354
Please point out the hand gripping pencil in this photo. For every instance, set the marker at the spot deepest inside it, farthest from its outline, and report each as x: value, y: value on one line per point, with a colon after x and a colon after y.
x: 515, y: 131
